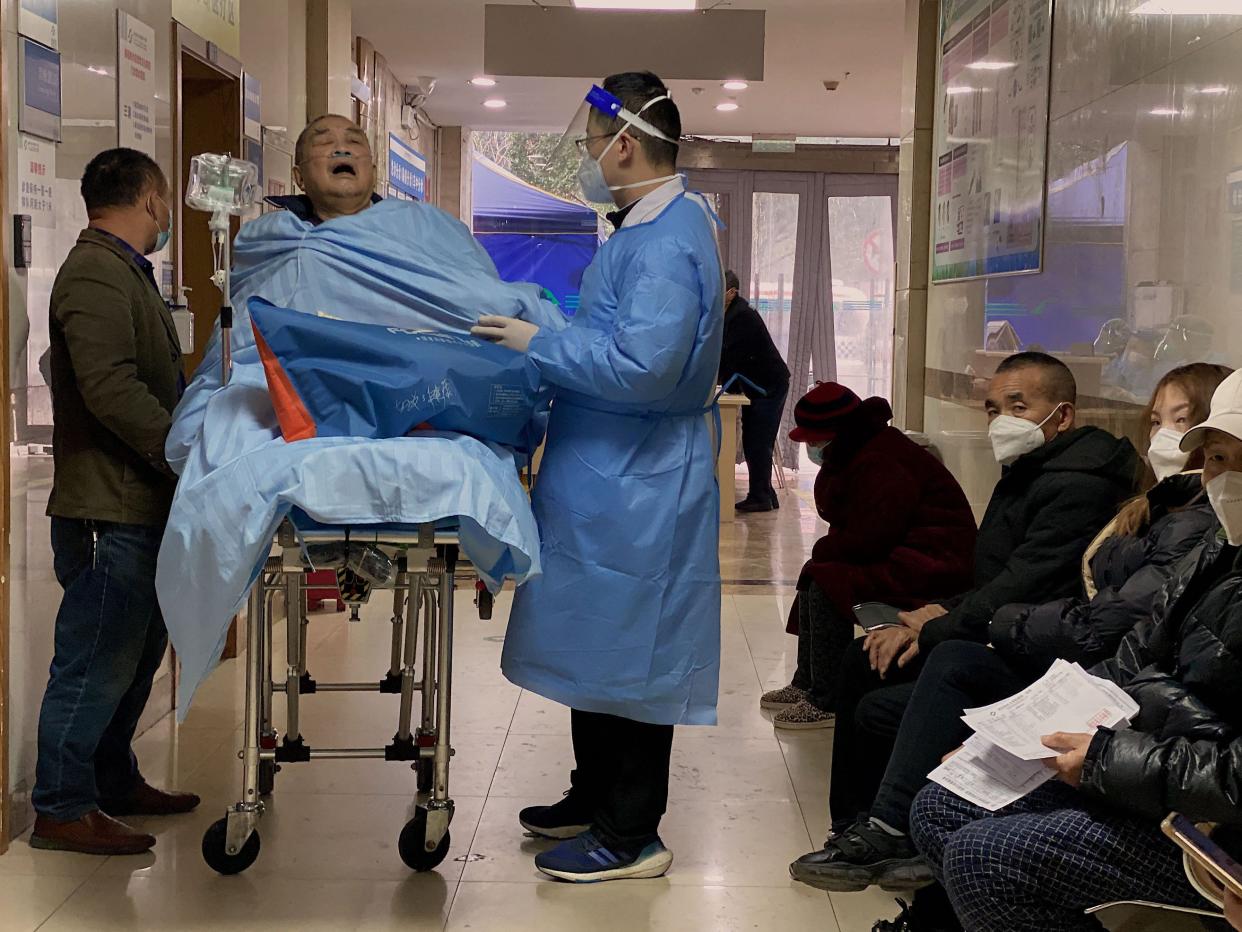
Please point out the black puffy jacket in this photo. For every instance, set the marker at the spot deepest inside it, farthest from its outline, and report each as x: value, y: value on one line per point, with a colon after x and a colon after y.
x: 1183, y: 666
x: 1126, y: 572
x: 1045, y: 510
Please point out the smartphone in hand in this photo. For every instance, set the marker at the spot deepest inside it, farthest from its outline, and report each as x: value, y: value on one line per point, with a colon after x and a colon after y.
x: 1206, y: 853
x: 872, y: 616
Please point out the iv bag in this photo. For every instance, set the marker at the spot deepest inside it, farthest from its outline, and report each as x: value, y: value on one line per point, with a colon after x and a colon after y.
x: 221, y: 183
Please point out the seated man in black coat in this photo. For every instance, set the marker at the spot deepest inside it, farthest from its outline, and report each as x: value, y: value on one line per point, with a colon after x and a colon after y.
x: 749, y: 352
x: 1059, y: 486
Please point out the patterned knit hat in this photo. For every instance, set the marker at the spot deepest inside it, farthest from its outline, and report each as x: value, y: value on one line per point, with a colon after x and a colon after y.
x: 822, y: 412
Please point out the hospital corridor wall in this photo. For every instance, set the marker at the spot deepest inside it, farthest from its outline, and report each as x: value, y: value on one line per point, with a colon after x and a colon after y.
x: 88, y: 49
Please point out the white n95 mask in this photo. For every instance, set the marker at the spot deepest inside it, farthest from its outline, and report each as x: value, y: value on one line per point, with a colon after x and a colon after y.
x: 592, y: 181
x: 1225, y: 494
x: 1013, y: 437
x: 1165, y: 453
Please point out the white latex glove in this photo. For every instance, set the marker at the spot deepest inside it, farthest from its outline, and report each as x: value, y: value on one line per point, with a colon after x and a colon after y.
x: 509, y: 332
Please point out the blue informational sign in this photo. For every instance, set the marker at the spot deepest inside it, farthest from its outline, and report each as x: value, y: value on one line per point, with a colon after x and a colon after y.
x: 41, y: 89
x: 40, y: 110
x: 252, y: 116
x: 407, y: 169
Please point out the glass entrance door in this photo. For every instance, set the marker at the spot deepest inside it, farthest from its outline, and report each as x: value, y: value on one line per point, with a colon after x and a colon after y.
x: 814, y: 254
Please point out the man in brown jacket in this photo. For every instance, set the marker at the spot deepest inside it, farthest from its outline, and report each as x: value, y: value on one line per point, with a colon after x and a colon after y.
x: 115, y: 379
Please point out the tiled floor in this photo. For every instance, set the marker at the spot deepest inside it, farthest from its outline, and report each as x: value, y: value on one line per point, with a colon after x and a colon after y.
x: 742, y: 802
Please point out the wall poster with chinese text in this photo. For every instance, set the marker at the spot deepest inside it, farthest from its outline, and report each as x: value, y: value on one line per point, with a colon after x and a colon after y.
x: 991, y: 139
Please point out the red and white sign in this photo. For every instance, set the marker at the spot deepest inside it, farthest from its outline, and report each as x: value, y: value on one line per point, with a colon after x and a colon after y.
x: 135, y: 83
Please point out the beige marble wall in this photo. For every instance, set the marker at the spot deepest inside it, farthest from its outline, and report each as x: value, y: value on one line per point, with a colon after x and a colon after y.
x: 914, y: 208
x: 330, y: 68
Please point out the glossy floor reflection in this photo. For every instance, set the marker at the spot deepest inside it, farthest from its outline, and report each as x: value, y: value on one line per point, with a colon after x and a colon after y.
x: 763, y: 553
x: 743, y: 803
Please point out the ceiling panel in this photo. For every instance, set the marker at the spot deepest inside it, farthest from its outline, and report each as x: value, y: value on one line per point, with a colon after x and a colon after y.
x: 806, y: 42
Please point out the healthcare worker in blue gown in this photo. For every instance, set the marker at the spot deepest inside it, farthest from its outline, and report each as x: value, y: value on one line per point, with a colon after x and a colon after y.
x: 624, y: 624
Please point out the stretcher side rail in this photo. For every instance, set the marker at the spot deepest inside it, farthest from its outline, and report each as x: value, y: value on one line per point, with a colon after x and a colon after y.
x: 427, y: 562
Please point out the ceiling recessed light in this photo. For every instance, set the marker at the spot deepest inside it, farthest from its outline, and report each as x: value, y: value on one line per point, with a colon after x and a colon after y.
x: 1165, y: 112
x: 953, y: 90
x: 1214, y: 89
x: 991, y: 65
x: 481, y: 81
x: 735, y: 85
x: 495, y: 103
x: 636, y: 4
x: 727, y: 107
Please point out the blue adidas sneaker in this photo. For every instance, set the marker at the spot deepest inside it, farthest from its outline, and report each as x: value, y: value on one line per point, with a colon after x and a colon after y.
x: 586, y: 859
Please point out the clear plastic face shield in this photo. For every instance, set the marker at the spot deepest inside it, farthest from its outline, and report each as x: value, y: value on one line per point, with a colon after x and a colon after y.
x: 584, y: 136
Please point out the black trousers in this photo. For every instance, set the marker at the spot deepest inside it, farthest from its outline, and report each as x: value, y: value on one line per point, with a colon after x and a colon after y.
x: 958, y: 675
x: 824, y: 635
x: 761, y: 422
x: 869, y: 711
x: 621, y: 775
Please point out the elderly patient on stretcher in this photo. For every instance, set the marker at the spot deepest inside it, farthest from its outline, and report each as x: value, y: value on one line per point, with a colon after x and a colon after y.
x: 344, y: 287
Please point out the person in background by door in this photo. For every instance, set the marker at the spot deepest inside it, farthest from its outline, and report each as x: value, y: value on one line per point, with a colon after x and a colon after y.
x: 115, y: 364
x: 750, y: 353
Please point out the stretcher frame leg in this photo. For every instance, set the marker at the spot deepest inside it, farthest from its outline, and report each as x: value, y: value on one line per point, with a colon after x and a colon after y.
x: 429, y: 662
x: 244, y: 816
x: 294, y: 640
x: 399, y: 595
x: 440, y: 806
x: 408, y: 663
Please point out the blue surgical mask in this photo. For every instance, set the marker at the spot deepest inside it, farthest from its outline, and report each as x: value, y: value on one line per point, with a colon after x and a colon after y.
x: 816, y: 453
x: 162, y: 236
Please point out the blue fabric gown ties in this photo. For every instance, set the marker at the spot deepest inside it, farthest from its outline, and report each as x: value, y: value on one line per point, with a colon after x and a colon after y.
x: 400, y: 264
x: 625, y: 618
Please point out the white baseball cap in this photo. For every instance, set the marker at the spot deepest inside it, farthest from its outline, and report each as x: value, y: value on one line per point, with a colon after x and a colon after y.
x: 1225, y: 414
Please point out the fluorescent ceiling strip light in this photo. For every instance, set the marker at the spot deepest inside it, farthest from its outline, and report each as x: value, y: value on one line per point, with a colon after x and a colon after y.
x: 636, y: 4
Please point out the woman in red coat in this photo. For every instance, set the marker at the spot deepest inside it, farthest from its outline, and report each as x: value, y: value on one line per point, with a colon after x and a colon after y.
x: 900, y: 531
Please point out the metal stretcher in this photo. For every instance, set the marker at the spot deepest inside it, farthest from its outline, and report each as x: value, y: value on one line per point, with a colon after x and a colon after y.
x: 427, y: 561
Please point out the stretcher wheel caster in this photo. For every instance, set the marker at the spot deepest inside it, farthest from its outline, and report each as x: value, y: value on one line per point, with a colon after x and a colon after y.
x: 484, y: 600
x: 267, y: 777
x: 218, y: 858
x: 413, y: 845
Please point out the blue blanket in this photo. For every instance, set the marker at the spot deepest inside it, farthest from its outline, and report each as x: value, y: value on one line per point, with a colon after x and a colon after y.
x: 400, y: 264
x: 339, y: 378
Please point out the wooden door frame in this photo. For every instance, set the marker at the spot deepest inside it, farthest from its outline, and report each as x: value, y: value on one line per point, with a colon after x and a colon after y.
x: 5, y: 476
x: 184, y: 41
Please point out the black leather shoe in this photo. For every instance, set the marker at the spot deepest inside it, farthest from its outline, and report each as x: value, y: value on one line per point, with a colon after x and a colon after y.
x: 865, y: 855
x: 750, y: 507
